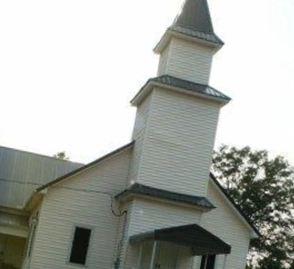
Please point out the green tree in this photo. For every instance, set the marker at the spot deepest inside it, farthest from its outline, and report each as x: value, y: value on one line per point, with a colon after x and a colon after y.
x: 61, y: 156
x: 264, y: 189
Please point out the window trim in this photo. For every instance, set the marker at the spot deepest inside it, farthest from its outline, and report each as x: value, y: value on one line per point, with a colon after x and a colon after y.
x: 73, y: 229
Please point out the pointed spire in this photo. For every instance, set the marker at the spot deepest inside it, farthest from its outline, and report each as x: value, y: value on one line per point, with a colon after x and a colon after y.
x: 195, y: 16
x: 194, y: 22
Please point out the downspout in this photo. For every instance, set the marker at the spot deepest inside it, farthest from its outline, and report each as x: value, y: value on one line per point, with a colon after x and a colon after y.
x: 117, y: 263
x: 28, y: 255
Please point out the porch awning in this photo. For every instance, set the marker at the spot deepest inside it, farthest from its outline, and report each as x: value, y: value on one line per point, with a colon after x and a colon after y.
x: 200, y: 240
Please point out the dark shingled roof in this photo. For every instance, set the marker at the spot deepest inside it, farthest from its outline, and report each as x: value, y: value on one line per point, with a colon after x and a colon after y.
x: 138, y: 189
x: 195, y: 16
x: 171, y: 81
x: 200, y: 240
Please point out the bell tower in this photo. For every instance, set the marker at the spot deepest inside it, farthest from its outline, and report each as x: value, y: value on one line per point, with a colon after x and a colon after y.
x: 177, y: 112
x: 187, y: 47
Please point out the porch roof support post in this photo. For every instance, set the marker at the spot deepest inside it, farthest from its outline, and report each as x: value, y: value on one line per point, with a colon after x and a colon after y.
x: 154, y: 250
x: 218, y: 262
x: 205, y: 262
x: 140, y: 256
x: 225, y: 261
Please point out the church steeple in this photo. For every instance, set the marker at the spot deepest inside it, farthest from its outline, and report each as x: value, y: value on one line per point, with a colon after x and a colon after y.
x: 193, y: 22
x: 177, y: 111
x: 187, y: 47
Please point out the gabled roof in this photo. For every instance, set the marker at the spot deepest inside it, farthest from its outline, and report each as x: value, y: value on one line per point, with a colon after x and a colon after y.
x: 38, y: 192
x: 58, y: 180
x: 21, y: 172
x: 147, y: 191
x: 189, y: 87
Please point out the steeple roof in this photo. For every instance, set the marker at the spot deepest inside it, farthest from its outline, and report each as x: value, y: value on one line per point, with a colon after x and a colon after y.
x: 173, y: 83
x: 195, y: 15
x: 194, y: 21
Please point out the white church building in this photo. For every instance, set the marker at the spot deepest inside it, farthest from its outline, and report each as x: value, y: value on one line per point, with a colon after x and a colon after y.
x: 151, y: 204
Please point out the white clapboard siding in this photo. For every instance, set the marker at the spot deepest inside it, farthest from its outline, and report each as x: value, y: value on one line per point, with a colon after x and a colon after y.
x: 186, y: 60
x: 163, y: 62
x: 177, y: 142
x: 139, y: 135
x: 81, y: 201
x: 227, y: 225
x: 146, y: 215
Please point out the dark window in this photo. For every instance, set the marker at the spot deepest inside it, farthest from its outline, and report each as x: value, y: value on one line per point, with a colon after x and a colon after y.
x: 80, y: 246
x: 209, y: 263
x: 203, y: 262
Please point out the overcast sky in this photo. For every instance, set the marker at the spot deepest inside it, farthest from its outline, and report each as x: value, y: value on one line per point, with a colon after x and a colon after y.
x: 69, y: 68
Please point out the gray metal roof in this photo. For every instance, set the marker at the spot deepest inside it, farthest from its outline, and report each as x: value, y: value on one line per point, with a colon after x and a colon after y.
x: 191, y: 86
x: 139, y: 189
x: 195, y: 16
x: 213, y: 38
x: 22, y: 172
x: 170, y: 81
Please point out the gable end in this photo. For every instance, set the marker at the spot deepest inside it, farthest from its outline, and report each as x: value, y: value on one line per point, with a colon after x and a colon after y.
x: 237, y: 208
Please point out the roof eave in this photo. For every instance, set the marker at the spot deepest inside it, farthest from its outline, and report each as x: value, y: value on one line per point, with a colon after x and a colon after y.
x: 171, y: 32
x: 150, y: 85
x: 42, y: 190
x: 87, y: 166
x: 129, y: 196
x: 142, y: 191
x: 34, y: 201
